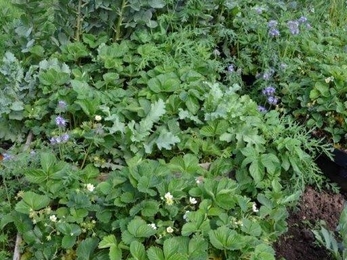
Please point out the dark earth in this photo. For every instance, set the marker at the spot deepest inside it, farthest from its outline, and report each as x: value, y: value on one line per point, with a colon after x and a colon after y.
x: 299, y: 242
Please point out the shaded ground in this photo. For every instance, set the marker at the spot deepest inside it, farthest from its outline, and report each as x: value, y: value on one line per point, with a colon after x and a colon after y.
x: 299, y: 243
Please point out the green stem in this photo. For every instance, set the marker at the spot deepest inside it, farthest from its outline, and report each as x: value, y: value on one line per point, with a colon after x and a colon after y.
x: 79, y: 18
x: 119, y: 21
x: 86, y: 156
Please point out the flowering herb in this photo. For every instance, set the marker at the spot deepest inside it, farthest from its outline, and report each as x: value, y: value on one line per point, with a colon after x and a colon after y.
x: 262, y: 109
x: 293, y: 27
x: 60, y: 121
x: 272, y: 100
x: 273, y: 32
x: 269, y: 91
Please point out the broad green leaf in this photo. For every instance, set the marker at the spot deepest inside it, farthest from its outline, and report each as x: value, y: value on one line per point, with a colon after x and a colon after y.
x: 149, y: 208
x: 108, y: 241
x: 139, y: 228
x: 104, y: 187
x: 89, y: 107
x: 17, y: 106
x: 138, y: 251
x: 256, y: 171
x: 166, y: 140
x: 146, y: 185
x: 68, y: 241
x: 32, y: 201
x: 198, y: 247
x: 115, y: 253
x: 225, y: 238
x: 264, y: 252
x: 155, y: 253
x: 156, y: 3
x: 68, y: 229
x: 157, y: 110
x: 36, y: 176
x: 270, y: 162
x: 104, y: 216
x: 86, y: 248
x: 48, y: 160
x: 188, y: 229
x: 168, y: 82
x: 250, y: 227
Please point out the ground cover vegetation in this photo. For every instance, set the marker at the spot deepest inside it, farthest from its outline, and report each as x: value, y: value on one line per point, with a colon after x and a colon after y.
x: 164, y: 129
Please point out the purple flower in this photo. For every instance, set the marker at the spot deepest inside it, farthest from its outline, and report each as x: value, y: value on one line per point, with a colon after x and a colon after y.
x: 6, y: 157
x: 272, y: 24
x: 273, y: 32
x: 60, y: 121
x: 53, y: 141
x: 268, y: 74
x: 58, y: 140
x: 258, y: 10
x: 293, y: 27
x: 272, y: 100
x: 231, y: 68
x: 302, y: 19
x: 262, y: 109
x: 64, y: 138
x: 269, y: 91
x: 62, y: 105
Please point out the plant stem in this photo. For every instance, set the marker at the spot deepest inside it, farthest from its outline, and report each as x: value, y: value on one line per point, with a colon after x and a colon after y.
x: 78, y: 25
x: 120, y: 21
x: 86, y: 156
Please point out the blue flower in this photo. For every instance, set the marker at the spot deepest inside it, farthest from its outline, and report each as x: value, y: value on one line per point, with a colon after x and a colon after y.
x: 231, y: 68
x: 273, y: 32
x: 65, y: 137
x: 272, y: 24
x: 272, y: 100
x: 262, y: 109
x: 6, y: 157
x: 302, y: 19
x: 269, y: 91
x: 293, y: 27
x: 62, y: 104
x: 60, y: 121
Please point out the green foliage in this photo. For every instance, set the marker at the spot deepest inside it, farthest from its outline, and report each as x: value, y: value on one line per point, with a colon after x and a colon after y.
x: 335, y: 242
x: 147, y: 144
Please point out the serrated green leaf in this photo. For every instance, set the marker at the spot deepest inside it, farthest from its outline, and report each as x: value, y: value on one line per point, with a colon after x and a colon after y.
x: 225, y: 238
x: 166, y: 140
x: 31, y: 201
x: 149, y: 208
x: 104, y: 187
x: 115, y: 253
x: 168, y: 82
x: 108, y: 241
x: 188, y: 229
x: 155, y: 253
x: 256, y: 171
x: 156, y: 3
x: 250, y: 227
x: 127, y: 237
x: 198, y: 246
x: 36, y: 176
x: 48, y: 160
x: 157, y: 110
x: 138, y: 251
x: 68, y: 241
x: 86, y: 248
x: 139, y: 228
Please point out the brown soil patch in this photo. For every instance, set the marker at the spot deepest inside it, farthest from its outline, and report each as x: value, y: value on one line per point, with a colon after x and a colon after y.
x: 299, y: 242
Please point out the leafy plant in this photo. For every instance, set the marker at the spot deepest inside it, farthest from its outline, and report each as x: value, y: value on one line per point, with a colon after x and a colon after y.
x: 335, y: 242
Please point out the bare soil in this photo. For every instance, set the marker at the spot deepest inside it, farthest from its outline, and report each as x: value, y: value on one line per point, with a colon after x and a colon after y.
x: 299, y: 242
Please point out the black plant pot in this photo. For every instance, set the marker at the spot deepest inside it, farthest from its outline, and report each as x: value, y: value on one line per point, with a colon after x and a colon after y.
x: 336, y: 169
